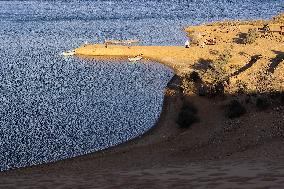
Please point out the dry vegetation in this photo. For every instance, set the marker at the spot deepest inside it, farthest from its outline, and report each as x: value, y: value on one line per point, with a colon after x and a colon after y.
x: 239, y: 70
x: 238, y: 57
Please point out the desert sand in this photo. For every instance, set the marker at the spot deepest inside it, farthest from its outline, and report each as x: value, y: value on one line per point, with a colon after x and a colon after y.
x: 216, y: 152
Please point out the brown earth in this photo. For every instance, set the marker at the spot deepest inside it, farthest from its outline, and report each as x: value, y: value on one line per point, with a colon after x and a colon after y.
x: 216, y: 152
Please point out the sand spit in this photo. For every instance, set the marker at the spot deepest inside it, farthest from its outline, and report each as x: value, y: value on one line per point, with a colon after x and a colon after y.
x: 168, y: 55
x: 183, y: 59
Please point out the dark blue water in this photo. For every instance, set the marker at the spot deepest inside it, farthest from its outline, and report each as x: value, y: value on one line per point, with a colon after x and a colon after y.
x: 53, y: 108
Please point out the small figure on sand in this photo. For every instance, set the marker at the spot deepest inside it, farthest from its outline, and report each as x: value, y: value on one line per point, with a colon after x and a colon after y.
x: 187, y: 44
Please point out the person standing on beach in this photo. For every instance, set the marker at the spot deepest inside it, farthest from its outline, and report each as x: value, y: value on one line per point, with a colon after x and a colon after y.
x: 187, y: 44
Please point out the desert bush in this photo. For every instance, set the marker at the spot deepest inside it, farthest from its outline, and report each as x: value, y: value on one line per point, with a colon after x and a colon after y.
x: 213, y: 75
x: 235, y: 109
x: 202, y: 90
x: 203, y: 64
x: 187, y: 86
x: 241, y: 87
x: 214, y: 52
x: 188, y: 82
x: 251, y: 36
x: 218, y: 67
x: 262, y: 103
x: 188, y: 115
x: 218, y: 75
x: 194, y: 76
x: 215, y: 89
x: 224, y: 57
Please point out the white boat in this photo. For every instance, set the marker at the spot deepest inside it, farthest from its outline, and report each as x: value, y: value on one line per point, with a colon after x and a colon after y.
x: 68, y: 53
x: 134, y: 59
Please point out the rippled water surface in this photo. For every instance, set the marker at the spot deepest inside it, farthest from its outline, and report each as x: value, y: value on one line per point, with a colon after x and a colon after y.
x: 53, y: 108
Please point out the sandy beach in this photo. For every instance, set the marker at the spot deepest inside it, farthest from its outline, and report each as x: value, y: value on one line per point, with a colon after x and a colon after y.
x: 216, y: 152
x: 209, y: 155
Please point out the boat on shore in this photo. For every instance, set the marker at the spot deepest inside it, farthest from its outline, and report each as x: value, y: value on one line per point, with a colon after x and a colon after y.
x: 68, y: 53
x: 134, y: 59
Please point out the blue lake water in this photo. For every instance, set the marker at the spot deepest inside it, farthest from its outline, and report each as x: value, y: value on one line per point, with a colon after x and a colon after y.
x: 53, y: 108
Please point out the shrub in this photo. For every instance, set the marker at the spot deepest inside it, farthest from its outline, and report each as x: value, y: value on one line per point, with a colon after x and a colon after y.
x: 218, y: 72
x: 216, y: 89
x: 187, y: 86
x: 224, y: 57
x: 241, y: 87
x: 202, y: 90
x: 251, y: 36
x: 188, y: 82
x: 216, y: 76
x: 187, y: 115
x: 235, y: 109
x: 194, y: 76
x: 262, y: 103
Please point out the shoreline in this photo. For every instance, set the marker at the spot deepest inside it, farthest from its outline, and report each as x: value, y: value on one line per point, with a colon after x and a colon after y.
x: 140, y: 141
x: 149, y: 53
x: 156, y: 156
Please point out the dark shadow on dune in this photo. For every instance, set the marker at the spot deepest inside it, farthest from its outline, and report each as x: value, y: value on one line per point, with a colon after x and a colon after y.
x: 244, y: 54
x: 203, y: 64
x: 240, y: 38
x: 252, y: 61
x: 175, y: 83
x: 275, y: 61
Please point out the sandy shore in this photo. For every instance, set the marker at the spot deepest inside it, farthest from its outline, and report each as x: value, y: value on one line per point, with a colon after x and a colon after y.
x: 168, y: 55
x: 212, y: 154
x: 217, y: 152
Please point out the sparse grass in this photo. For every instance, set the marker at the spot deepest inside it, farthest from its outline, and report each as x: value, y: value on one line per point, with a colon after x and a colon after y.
x: 194, y: 76
x: 187, y: 86
x: 188, y: 82
x: 188, y: 115
x: 241, y: 87
x: 251, y: 36
x: 224, y: 57
x: 234, y: 109
x: 217, y: 74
